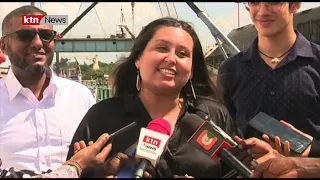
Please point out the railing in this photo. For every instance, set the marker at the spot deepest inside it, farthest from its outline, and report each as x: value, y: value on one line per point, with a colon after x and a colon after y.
x: 101, y: 92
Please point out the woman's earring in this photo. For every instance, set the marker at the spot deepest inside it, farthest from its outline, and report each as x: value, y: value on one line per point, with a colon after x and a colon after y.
x: 193, y: 93
x: 138, y: 83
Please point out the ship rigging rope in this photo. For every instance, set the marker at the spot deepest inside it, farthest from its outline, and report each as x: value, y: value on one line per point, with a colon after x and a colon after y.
x: 204, y: 5
x: 79, y: 10
x: 76, y: 17
x: 206, y: 9
x: 100, y: 23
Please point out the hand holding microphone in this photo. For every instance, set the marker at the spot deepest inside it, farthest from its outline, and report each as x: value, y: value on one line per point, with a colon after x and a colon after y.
x: 90, y: 156
x: 116, y: 163
x: 259, y: 149
x: 151, y: 144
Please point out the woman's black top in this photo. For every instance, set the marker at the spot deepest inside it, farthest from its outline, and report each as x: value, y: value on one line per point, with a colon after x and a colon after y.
x: 112, y: 114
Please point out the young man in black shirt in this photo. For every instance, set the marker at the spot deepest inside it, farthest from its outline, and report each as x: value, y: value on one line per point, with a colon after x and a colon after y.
x: 279, y: 74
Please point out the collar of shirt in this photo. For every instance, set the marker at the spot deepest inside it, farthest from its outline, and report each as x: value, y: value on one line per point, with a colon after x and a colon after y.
x: 134, y: 108
x: 14, y: 87
x: 302, y: 48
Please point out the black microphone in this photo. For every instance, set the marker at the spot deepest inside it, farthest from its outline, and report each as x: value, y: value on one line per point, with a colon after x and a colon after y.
x: 122, y: 131
x: 126, y: 132
x: 212, y: 140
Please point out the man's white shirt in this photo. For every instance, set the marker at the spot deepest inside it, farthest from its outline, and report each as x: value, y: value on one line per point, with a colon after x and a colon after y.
x: 36, y: 135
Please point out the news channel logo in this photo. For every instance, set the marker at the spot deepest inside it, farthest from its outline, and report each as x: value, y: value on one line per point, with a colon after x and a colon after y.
x: 206, y: 140
x: 150, y: 144
x: 44, y: 20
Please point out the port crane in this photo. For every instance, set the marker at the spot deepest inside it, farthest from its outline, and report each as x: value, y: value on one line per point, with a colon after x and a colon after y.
x: 94, y: 59
x: 220, y: 37
x: 168, y: 9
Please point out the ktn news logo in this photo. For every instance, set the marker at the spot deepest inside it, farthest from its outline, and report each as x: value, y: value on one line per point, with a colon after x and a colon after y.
x: 44, y: 20
x: 150, y: 143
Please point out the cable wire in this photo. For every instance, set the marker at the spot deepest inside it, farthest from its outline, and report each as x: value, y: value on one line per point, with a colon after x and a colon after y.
x: 76, y: 17
x: 100, y: 22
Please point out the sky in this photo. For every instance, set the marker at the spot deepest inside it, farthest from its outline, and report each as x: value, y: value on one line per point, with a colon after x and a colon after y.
x: 102, y: 21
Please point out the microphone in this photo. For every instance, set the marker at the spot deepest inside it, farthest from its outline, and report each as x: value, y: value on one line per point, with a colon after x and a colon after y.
x: 122, y: 131
x: 152, y: 141
x: 132, y: 128
x: 211, y: 140
x: 151, y: 144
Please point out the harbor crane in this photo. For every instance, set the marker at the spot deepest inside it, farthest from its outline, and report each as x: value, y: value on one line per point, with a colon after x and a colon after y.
x: 219, y: 36
x: 94, y: 59
x: 168, y: 9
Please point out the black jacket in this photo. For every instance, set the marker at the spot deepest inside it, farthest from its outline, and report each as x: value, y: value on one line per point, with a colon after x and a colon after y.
x: 112, y: 114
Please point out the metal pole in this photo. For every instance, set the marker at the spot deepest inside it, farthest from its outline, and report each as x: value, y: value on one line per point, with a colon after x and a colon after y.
x: 132, y: 4
x: 127, y: 29
x: 166, y: 3
x: 160, y: 9
x: 80, y: 73
x: 78, y: 19
x: 223, y: 52
x: 215, y: 31
x: 174, y: 7
x: 58, y: 71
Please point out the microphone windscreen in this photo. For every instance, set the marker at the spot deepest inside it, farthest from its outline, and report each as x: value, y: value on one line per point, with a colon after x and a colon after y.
x: 189, y: 124
x: 160, y: 125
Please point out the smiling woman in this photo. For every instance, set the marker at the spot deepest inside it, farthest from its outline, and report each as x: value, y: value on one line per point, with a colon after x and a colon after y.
x: 165, y: 76
x: 165, y: 65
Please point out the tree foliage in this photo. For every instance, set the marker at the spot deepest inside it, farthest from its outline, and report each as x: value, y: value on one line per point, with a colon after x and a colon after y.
x: 86, y: 70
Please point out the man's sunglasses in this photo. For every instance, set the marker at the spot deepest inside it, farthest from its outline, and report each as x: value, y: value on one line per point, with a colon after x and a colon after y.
x: 27, y: 35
